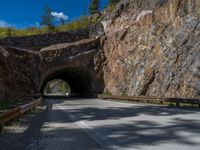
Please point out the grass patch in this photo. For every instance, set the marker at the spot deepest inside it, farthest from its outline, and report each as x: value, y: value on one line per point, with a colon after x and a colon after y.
x: 124, y: 94
x: 82, y: 22
x: 107, y: 93
x: 112, y: 5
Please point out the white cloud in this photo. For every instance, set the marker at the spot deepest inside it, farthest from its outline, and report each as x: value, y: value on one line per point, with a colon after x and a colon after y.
x: 4, y: 24
x: 59, y: 15
x: 37, y: 24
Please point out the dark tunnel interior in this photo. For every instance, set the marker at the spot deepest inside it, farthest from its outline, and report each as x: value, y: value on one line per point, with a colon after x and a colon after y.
x: 80, y: 80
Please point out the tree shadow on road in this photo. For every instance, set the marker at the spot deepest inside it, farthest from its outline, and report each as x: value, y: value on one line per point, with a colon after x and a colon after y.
x: 178, y: 126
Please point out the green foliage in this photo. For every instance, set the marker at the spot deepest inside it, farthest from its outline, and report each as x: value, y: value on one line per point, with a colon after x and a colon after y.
x: 94, y: 7
x: 4, y: 105
x: 107, y: 93
x: 112, y: 4
x: 82, y: 22
x: 124, y: 94
x: 47, y: 19
x: 65, y: 88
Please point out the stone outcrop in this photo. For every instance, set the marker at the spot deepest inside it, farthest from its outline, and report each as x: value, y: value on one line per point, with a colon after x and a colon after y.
x: 153, y: 48
x: 36, y: 42
x: 18, y: 75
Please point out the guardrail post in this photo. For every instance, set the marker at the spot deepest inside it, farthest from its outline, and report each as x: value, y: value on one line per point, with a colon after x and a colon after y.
x: 199, y: 105
x: 1, y: 128
x: 177, y: 104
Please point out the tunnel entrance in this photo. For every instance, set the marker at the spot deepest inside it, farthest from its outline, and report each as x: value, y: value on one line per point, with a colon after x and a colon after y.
x: 80, y: 81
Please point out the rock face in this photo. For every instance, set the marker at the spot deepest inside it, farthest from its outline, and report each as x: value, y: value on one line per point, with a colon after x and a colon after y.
x: 153, y: 48
x: 18, y: 75
x: 145, y: 47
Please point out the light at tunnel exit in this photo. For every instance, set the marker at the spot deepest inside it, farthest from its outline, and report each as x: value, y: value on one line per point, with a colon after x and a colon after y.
x: 56, y: 87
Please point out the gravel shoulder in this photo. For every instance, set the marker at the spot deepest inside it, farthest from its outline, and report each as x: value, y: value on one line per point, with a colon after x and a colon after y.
x: 19, y: 134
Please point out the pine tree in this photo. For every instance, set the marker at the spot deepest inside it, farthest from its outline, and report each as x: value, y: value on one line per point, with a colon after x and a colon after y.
x: 47, y: 19
x: 94, y: 7
x: 111, y: 2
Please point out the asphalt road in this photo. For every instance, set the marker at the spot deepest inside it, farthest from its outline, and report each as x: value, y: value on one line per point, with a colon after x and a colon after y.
x: 90, y: 124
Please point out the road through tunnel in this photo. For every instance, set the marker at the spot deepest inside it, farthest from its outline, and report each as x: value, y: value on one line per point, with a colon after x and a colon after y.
x: 80, y: 81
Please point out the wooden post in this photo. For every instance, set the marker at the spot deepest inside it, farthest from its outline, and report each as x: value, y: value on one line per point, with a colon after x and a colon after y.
x: 177, y: 104
x: 1, y: 128
x: 199, y: 105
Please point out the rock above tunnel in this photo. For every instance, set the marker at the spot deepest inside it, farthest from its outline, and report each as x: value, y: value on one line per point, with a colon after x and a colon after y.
x: 36, y: 42
x: 77, y: 63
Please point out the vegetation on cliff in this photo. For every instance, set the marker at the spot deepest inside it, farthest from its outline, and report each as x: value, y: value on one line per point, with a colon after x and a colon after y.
x: 82, y: 22
x: 47, y: 24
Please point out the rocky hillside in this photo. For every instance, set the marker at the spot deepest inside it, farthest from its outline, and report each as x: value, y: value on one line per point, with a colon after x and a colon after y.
x: 143, y: 47
x: 153, y: 48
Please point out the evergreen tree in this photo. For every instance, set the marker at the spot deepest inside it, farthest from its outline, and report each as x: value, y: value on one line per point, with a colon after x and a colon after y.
x: 111, y: 2
x: 47, y: 19
x: 94, y: 7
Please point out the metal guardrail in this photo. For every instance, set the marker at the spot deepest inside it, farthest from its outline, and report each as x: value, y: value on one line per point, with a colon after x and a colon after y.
x: 16, y: 112
x: 160, y: 100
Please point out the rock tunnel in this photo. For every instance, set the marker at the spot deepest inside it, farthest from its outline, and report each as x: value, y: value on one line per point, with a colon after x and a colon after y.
x: 80, y: 81
x: 74, y: 57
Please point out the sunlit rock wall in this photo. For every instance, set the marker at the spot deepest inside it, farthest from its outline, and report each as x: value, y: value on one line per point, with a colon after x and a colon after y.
x: 153, y: 48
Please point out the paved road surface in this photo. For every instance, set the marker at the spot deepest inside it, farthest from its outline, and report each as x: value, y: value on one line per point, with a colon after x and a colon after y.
x: 85, y: 124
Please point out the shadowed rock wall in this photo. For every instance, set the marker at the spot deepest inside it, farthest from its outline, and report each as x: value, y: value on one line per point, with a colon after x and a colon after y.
x: 71, y: 56
x: 36, y: 42
x: 18, y: 73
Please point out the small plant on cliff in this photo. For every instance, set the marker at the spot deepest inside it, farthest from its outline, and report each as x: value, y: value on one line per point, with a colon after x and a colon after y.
x: 48, y: 19
x: 94, y: 7
x: 82, y: 22
x: 107, y: 93
x: 112, y: 4
x: 5, y: 104
x: 124, y: 94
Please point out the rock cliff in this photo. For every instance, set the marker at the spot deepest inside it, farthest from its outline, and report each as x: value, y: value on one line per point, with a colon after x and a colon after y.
x: 153, y: 48
x: 143, y: 47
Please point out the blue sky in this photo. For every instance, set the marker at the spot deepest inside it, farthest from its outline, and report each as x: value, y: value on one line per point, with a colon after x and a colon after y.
x: 27, y: 13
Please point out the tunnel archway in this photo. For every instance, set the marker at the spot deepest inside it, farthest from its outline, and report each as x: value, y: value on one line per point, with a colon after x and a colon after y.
x: 80, y: 80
